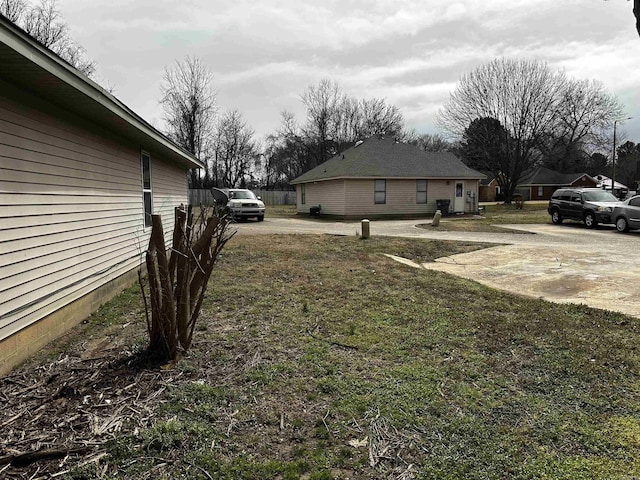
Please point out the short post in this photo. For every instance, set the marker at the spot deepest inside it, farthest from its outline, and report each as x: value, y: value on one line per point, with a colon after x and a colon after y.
x: 436, y: 218
x: 365, y: 229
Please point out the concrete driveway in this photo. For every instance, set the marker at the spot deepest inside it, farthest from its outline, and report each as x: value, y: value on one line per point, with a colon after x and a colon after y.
x: 560, y: 263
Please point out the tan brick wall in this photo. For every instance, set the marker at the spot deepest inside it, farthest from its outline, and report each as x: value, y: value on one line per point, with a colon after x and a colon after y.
x: 20, y: 346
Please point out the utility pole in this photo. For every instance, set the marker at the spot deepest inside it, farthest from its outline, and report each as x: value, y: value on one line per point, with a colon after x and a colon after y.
x: 613, y: 156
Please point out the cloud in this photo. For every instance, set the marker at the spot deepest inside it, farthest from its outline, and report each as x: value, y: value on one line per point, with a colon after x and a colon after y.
x: 411, y: 52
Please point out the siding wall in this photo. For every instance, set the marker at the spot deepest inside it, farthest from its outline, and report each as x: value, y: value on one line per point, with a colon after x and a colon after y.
x: 169, y: 189
x: 71, y: 210
x: 400, y: 198
x: 355, y: 198
x: 329, y: 194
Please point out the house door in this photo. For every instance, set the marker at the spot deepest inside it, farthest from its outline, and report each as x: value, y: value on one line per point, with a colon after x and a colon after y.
x: 458, y: 203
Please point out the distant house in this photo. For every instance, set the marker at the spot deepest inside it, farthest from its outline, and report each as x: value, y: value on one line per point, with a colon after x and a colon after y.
x: 620, y: 190
x: 80, y: 175
x: 489, y: 188
x: 379, y: 177
x: 539, y: 183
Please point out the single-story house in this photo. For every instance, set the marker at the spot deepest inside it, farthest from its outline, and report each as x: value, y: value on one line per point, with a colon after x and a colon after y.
x: 379, y: 176
x: 620, y: 190
x: 80, y: 175
x: 539, y: 183
x: 490, y: 190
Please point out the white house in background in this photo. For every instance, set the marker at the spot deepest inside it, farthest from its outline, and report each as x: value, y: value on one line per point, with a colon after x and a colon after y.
x: 80, y: 173
x: 619, y: 189
x: 379, y: 177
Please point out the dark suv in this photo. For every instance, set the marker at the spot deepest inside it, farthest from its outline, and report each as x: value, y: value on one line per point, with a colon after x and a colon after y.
x: 591, y: 205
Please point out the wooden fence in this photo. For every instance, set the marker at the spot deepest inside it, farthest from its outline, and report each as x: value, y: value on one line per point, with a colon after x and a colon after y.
x: 270, y: 197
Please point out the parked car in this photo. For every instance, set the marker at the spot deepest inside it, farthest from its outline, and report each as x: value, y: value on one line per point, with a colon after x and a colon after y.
x: 242, y: 203
x: 591, y: 205
x: 627, y: 214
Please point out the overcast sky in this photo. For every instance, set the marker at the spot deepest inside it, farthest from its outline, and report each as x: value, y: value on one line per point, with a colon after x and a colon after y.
x: 264, y: 54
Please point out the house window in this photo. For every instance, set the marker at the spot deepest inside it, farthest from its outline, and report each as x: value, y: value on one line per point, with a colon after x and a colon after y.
x: 540, y: 191
x: 303, y: 194
x: 145, y: 160
x: 380, y: 191
x: 421, y: 191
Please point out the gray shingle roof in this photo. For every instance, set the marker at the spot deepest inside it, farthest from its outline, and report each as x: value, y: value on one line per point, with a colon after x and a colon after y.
x: 384, y: 158
x: 546, y: 176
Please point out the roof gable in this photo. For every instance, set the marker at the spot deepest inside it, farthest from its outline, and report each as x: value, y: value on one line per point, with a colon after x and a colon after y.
x: 378, y: 157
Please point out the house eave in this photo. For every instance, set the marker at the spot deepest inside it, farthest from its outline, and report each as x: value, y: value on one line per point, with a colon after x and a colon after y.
x: 378, y: 177
x: 29, y: 65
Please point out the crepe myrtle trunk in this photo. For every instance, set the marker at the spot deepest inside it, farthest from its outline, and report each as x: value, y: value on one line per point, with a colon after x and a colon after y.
x: 177, y: 283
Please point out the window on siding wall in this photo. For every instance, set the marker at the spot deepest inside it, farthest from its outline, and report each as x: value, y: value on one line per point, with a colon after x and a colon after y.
x: 380, y: 191
x: 303, y: 194
x: 145, y: 160
x: 421, y: 191
x: 540, y: 191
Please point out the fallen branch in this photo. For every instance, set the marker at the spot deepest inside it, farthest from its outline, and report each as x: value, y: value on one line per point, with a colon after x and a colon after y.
x: 26, y: 459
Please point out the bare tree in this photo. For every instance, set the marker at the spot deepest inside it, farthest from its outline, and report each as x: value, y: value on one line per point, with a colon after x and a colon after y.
x: 523, y: 96
x: 189, y: 105
x: 334, y: 121
x: 582, y: 124
x: 428, y: 142
x: 379, y: 118
x: 13, y: 10
x: 45, y: 23
x: 235, y: 151
x: 323, y: 108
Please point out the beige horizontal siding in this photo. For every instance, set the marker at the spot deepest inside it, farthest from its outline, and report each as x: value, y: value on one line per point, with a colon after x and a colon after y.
x: 71, y: 208
x: 401, y: 198
x: 169, y: 190
x: 440, y: 190
x: 330, y: 195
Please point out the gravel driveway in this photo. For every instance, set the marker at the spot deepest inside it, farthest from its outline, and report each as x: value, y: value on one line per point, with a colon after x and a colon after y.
x: 566, y: 263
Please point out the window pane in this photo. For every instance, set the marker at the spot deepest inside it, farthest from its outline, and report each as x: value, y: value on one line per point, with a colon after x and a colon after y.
x: 147, y: 209
x: 380, y: 191
x: 421, y: 191
x: 146, y: 172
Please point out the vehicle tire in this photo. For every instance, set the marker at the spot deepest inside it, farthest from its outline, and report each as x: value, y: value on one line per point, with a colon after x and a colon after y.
x: 555, y: 217
x: 590, y: 220
x: 260, y: 218
x: 622, y: 225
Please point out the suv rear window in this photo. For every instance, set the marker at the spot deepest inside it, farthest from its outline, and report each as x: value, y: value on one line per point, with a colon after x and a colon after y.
x: 565, y: 196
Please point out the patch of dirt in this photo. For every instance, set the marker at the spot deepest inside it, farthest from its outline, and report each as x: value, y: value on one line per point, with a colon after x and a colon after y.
x: 567, y: 286
x: 72, y: 405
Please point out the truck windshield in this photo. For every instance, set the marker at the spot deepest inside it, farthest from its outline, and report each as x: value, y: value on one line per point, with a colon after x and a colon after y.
x: 242, y: 195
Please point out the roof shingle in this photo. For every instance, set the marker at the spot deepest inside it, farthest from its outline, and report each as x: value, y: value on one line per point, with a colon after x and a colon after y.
x: 379, y: 157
